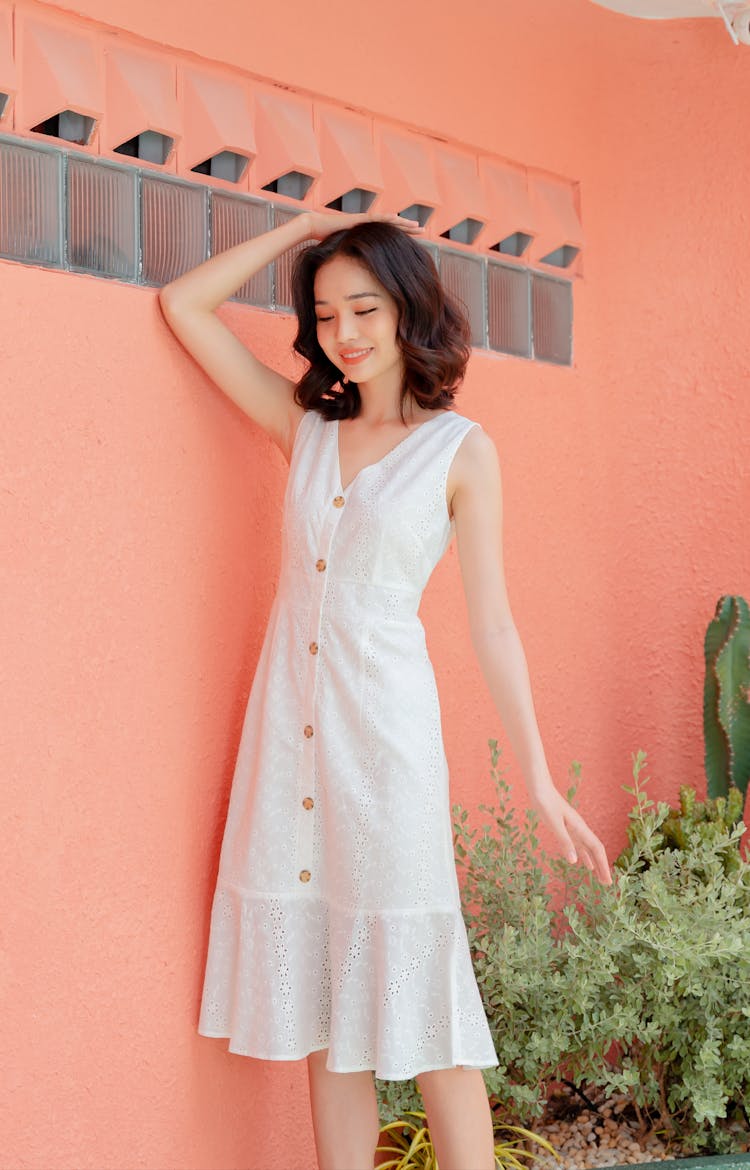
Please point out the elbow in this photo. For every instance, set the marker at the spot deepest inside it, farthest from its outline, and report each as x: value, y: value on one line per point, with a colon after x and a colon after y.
x: 488, y: 633
x: 167, y: 298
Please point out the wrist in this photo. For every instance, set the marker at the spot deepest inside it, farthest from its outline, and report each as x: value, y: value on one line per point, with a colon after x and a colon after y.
x: 539, y: 784
x: 303, y: 222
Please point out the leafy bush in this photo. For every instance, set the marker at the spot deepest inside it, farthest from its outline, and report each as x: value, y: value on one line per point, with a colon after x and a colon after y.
x: 642, y: 987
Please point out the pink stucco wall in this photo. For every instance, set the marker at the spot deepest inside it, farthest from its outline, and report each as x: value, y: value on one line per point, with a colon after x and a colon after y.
x: 140, y: 516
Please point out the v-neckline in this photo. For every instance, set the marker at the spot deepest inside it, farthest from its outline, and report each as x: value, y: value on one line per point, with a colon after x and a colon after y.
x: 377, y: 462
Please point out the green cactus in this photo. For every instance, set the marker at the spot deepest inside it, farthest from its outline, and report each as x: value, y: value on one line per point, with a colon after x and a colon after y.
x: 726, y: 698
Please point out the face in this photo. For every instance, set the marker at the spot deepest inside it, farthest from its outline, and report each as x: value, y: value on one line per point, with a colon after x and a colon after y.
x: 357, y: 320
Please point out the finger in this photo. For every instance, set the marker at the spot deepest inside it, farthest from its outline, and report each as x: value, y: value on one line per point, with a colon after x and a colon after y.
x: 586, y: 858
x: 602, y: 864
x: 598, y: 855
x: 569, y: 848
x: 409, y: 225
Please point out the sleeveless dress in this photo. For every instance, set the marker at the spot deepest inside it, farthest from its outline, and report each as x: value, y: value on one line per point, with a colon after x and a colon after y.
x: 336, y: 919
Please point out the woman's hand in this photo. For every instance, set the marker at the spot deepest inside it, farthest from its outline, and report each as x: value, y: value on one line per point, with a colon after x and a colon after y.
x: 578, y: 841
x: 322, y: 223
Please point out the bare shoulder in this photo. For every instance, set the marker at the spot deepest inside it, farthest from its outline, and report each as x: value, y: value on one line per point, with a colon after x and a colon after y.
x: 475, y: 470
x: 476, y: 459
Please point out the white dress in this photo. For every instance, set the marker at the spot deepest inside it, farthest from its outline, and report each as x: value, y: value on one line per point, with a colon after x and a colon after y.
x: 336, y: 920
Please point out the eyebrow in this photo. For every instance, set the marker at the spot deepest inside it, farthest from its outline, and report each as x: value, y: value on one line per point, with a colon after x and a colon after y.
x: 353, y: 297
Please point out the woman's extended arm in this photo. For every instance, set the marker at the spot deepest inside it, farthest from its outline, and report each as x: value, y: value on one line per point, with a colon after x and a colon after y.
x: 475, y: 494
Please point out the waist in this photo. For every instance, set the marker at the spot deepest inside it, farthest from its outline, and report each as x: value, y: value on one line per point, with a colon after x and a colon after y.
x: 348, y: 597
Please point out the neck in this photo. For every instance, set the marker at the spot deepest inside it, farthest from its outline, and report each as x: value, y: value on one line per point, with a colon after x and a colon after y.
x: 381, y: 399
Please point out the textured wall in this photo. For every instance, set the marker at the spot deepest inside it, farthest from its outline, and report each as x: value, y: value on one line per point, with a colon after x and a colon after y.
x: 140, y: 519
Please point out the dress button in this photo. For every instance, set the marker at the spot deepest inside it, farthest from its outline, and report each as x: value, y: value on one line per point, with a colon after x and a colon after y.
x: 320, y: 565
x: 304, y: 875
x: 338, y: 501
x: 308, y: 730
x: 313, y: 647
x: 307, y: 802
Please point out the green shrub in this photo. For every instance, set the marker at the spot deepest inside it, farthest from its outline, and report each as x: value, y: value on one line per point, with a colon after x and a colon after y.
x: 642, y: 987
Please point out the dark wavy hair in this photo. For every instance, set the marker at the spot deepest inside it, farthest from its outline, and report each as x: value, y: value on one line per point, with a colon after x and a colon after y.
x: 433, y: 332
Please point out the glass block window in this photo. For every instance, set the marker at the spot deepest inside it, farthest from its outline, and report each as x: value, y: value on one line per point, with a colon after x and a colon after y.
x: 432, y: 249
x: 282, y: 289
x: 232, y: 221
x: 463, y: 276
x: 552, y: 319
x: 509, y: 309
x: 31, y: 204
x: 174, y: 228
x: 71, y: 211
x: 102, y: 225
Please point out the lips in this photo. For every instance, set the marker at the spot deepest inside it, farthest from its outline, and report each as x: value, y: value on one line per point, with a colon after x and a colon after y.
x: 352, y: 356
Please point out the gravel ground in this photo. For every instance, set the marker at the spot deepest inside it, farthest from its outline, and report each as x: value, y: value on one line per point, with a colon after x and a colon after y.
x: 585, y: 1139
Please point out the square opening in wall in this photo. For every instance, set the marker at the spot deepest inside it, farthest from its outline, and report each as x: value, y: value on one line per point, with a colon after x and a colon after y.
x: 552, y: 317
x: 357, y: 200
x: 509, y: 309
x: 69, y: 125
x: 464, y: 232
x: 561, y: 257
x: 174, y: 228
x: 149, y: 145
x: 232, y: 221
x: 294, y: 184
x: 514, y: 245
x: 102, y: 219
x: 417, y: 211
x: 463, y: 277
x: 30, y: 221
x: 227, y: 164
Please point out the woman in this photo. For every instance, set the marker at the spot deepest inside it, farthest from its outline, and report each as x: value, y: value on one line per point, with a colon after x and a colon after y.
x: 336, y: 929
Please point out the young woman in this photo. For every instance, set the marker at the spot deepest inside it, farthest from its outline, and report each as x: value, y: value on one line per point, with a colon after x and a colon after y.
x: 336, y: 928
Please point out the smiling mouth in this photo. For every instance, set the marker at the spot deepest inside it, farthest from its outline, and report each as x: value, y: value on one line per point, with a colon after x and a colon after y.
x: 355, y: 355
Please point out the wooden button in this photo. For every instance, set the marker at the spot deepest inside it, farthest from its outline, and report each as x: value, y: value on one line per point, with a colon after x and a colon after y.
x: 304, y: 875
x: 308, y: 730
x: 313, y: 647
x: 307, y: 802
x: 320, y: 565
x: 338, y: 501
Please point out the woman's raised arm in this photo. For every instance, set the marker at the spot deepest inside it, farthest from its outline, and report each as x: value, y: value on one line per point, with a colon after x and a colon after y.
x: 476, y: 500
x: 188, y: 305
x: 189, y: 302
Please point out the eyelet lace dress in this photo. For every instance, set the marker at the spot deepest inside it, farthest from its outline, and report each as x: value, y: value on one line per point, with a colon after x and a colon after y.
x: 336, y: 920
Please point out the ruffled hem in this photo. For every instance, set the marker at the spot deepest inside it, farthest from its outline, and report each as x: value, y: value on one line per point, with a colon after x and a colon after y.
x: 393, y: 991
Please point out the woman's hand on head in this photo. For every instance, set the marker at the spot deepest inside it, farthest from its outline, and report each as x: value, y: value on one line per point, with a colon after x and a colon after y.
x: 323, y: 223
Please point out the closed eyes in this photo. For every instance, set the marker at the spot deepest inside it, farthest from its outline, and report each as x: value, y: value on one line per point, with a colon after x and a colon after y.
x: 357, y: 313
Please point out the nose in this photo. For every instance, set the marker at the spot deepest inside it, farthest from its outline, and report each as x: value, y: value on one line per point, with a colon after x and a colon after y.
x: 346, y: 329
